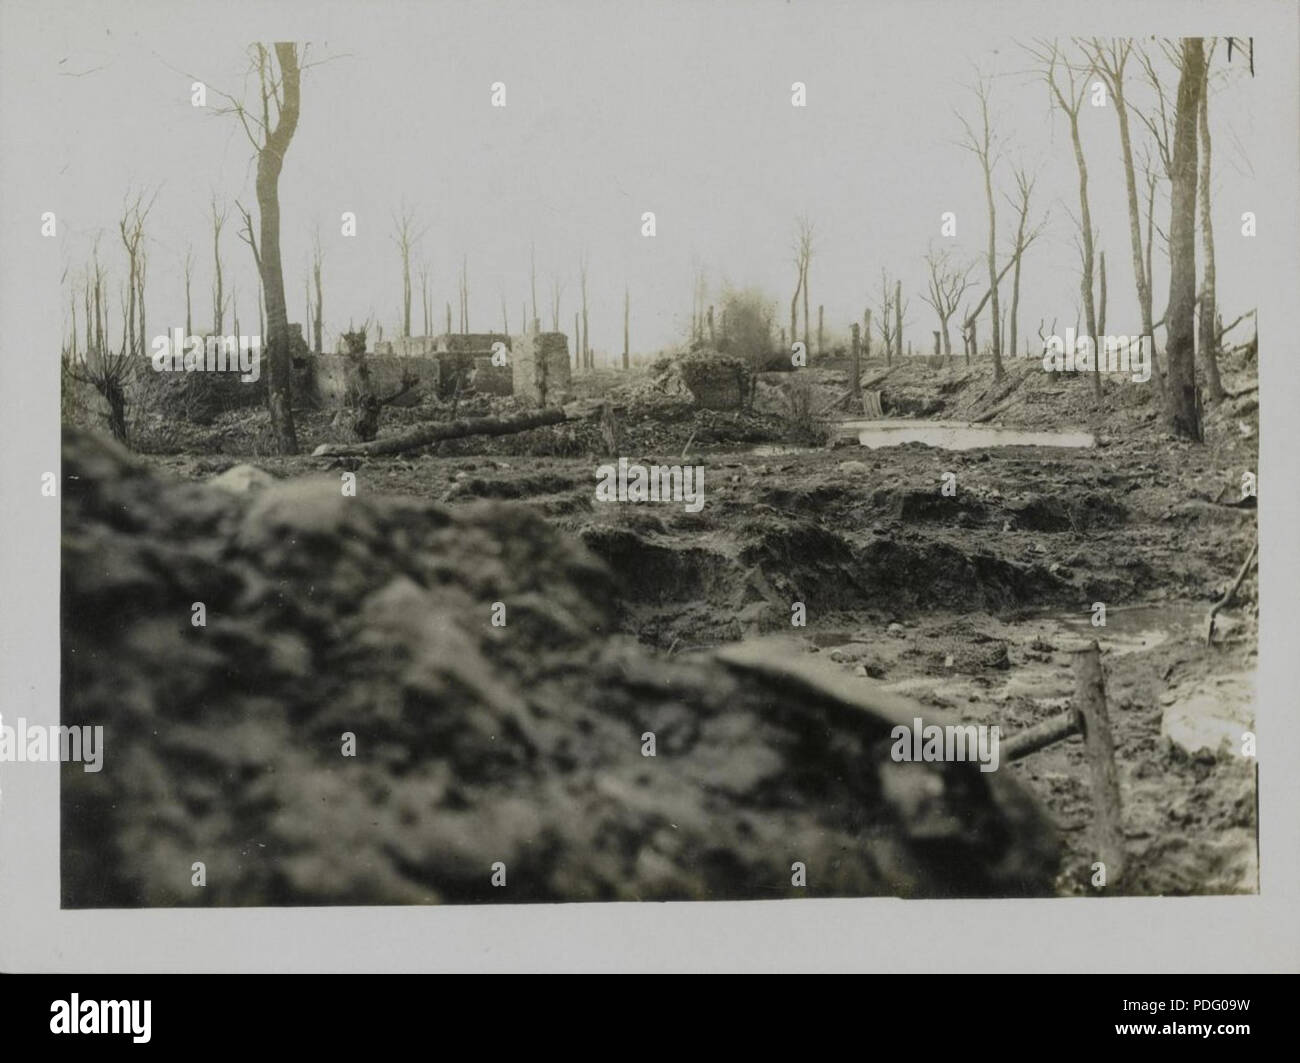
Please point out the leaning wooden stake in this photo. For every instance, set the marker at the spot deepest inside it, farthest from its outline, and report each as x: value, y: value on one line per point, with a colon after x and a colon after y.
x: 1093, y: 722
x: 1226, y: 600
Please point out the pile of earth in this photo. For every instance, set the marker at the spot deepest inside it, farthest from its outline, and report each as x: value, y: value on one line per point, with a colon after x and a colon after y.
x: 337, y: 623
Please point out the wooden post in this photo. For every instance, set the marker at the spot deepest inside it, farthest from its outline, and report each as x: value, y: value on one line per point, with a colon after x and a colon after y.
x: 579, y: 362
x: 821, y: 333
x: 936, y: 343
x: 866, y: 334
x: 709, y: 318
x: 1093, y: 722
x: 627, y: 311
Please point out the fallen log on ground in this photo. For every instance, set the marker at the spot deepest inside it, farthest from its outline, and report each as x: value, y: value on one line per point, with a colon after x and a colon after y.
x: 470, y: 426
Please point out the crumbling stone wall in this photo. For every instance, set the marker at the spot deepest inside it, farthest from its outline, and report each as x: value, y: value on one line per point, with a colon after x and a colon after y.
x: 716, y: 381
x: 539, y: 364
x: 333, y: 380
x: 492, y: 379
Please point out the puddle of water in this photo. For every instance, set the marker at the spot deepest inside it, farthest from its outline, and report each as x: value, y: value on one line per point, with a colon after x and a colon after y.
x: 952, y: 435
x: 1129, y: 629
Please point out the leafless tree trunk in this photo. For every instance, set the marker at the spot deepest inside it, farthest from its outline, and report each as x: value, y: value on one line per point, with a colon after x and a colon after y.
x: 1109, y: 59
x: 979, y: 141
x: 281, y: 89
x: 406, y: 238
x: 627, y: 317
x: 318, y: 318
x: 886, y: 326
x: 557, y: 289
x: 855, y: 381
x: 1068, y: 88
x: 586, y: 335
x: 577, y: 342
x: 948, y: 283
x: 131, y: 227
x: 1101, y: 304
x: 804, y: 232
x: 532, y: 274
x: 218, y: 293
x: 426, y: 299
x: 464, y: 295
x: 1024, y: 193
x: 1209, y: 317
x: 188, y: 265
x: 794, y: 302
x: 1183, y: 416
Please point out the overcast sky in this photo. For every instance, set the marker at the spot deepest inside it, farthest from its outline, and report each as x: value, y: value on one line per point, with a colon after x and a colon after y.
x: 613, y: 109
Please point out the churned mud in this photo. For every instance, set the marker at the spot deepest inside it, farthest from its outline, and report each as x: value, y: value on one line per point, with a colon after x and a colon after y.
x: 968, y: 602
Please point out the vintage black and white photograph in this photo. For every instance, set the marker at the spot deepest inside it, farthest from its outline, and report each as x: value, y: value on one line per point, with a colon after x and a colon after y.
x: 684, y: 452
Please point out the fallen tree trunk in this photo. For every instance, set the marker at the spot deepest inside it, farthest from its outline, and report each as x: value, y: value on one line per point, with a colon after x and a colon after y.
x: 472, y: 426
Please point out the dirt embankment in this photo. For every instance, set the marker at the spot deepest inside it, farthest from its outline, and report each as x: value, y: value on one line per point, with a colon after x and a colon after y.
x: 332, y: 619
x: 951, y: 596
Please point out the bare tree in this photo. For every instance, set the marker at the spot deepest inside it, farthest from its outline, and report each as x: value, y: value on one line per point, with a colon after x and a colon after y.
x: 270, y: 129
x: 1182, y: 413
x: 406, y: 237
x: 1024, y: 193
x: 464, y: 294
x: 557, y: 290
x: 104, y: 370
x: 218, y: 295
x: 1109, y: 60
x: 131, y: 228
x: 627, y: 314
x: 318, y: 316
x: 532, y: 275
x: 804, y: 236
x: 978, y: 140
x: 426, y: 299
x: 585, y: 346
x: 187, y: 265
x: 1101, y: 293
x: 888, y: 330
x: 1068, y: 86
x: 1209, y: 308
x: 948, y: 283
x: 794, y: 299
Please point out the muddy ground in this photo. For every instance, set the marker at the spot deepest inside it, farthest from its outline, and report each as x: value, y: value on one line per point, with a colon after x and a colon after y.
x: 969, y: 603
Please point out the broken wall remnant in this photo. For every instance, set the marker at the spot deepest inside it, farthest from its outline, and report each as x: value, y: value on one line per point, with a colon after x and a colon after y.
x: 334, y: 380
x: 490, y: 379
x: 716, y: 381
x: 539, y: 365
